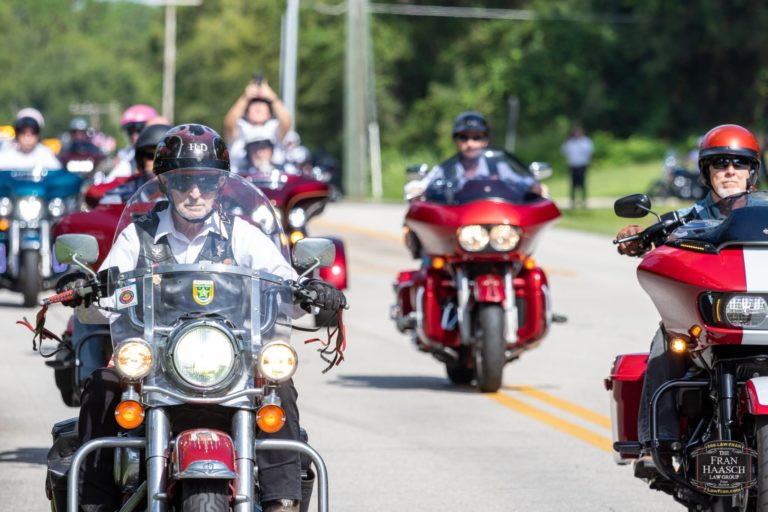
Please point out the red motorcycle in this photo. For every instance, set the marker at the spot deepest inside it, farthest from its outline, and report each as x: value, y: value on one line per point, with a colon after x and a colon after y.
x: 707, y: 279
x: 479, y: 300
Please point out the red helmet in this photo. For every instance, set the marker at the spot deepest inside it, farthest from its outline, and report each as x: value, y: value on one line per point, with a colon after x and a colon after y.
x: 191, y: 146
x: 729, y: 140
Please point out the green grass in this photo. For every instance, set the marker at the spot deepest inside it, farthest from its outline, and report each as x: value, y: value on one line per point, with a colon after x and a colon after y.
x: 596, y: 220
x: 613, y: 182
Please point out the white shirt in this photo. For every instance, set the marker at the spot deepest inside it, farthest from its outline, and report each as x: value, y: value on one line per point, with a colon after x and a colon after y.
x: 12, y: 158
x: 577, y: 151
x: 124, y: 166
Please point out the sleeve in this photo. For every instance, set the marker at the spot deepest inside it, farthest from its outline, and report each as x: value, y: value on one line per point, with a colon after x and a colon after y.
x: 252, y: 248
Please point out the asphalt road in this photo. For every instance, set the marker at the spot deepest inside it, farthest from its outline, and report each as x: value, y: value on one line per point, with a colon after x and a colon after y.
x: 394, y: 433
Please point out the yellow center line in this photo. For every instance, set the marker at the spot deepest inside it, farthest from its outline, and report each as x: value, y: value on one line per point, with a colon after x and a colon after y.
x: 576, y: 410
x: 567, y: 427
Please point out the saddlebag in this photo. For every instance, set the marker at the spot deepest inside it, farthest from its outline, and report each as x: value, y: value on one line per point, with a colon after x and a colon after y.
x: 65, y: 444
x: 626, y: 384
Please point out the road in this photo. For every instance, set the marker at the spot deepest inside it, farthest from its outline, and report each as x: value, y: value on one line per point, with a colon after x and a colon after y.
x: 395, y: 435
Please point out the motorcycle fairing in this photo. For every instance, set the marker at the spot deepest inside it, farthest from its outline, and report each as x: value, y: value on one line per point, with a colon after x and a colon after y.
x: 204, y: 453
x: 626, y: 384
x: 757, y: 396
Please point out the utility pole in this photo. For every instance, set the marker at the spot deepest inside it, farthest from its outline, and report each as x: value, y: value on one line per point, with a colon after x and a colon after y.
x: 289, y: 56
x: 355, y: 129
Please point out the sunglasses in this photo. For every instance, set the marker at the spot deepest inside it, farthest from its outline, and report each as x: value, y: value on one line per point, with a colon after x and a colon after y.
x: 462, y: 137
x: 185, y: 182
x: 136, y: 127
x: 739, y: 163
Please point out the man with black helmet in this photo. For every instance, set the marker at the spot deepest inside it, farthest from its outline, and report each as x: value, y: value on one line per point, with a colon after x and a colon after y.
x: 729, y: 161
x: 186, y: 229
x: 26, y: 151
x: 470, y: 135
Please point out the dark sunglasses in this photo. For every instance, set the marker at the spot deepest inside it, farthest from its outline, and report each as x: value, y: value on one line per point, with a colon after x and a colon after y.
x: 462, y: 137
x: 131, y: 128
x: 184, y: 183
x: 739, y: 163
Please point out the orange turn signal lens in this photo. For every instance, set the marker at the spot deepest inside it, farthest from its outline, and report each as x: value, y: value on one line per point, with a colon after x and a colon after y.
x: 438, y: 263
x: 678, y: 345
x: 129, y: 414
x: 270, y: 418
x: 296, y: 236
x: 695, y: 331
x: 530, y: 263
x: 4, y: 224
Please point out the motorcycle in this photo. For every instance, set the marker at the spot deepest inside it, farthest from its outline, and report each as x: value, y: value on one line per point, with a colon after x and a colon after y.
x: 200, y: 349
x: 705, y: 278
x: 678, y: 181
x: 479, y: 300
x: 84, y: 158
x: 32, y: 201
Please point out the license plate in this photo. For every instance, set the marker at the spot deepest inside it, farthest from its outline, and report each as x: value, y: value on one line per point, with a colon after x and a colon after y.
x: 723, y: 468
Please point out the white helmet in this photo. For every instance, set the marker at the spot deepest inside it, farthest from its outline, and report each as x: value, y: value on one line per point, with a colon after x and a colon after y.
x: 34, y: 114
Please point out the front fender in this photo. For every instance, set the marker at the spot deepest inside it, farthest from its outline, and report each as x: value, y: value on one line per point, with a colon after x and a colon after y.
x: 757, y: 396
x: 204, y: 453
x: 489, y: 288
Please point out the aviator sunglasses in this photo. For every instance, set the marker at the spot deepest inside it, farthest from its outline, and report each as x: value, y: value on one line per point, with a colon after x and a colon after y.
x: 739, y: 163
x: 184, y: 182
x: 463, y: 137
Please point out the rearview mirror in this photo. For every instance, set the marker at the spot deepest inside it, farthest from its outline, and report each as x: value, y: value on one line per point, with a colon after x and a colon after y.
x: 311, y: 253
x: 540, y: 170
x: 632, y: 207
x: 78, y: 249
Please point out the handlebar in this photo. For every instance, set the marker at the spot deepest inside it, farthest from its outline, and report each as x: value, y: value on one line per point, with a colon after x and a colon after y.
x: 68, y: 295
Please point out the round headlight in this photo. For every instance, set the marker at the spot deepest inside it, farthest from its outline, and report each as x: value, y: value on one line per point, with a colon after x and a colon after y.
x: 56, y: 207
x: 133, y: 359
x: 264, y: 218
x: 746, y: 310
x: 297, y: 217
x: 277, y: 361
x: 204, y: 355
x: 504, y: 237
x: 6, y: 206
x: 29, y: 208
x: 473, y: 238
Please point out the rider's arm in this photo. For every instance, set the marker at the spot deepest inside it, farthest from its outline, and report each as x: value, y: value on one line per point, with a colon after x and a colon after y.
x: 237, y: 110
x: 416, y: 188
x: 278, y: 109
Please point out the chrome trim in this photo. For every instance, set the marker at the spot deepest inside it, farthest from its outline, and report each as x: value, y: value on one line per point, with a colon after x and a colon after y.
x: 510, y: 309
x: 205, y: 266
x: 149, y: 319
x: 146, y: 390
x: 13, y: 249
x: 243, y: 435
x: 462, y: 298
x: 136, y: 499
x: 158, y: 442
x: 206, y: 469
x: 45, y: 249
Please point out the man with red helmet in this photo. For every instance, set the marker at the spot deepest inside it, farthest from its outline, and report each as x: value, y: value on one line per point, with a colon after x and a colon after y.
x: 729, y: 161
x: 188, y: 228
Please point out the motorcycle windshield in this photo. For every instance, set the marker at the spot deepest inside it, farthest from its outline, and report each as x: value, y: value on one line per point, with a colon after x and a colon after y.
x: 744, y: 222
x: 204, y: 318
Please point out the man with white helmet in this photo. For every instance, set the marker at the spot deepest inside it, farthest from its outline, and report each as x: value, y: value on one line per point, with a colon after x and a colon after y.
x: 26, y: 151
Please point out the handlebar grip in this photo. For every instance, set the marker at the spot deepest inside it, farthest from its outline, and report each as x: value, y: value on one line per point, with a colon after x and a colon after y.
x: 59, y: 297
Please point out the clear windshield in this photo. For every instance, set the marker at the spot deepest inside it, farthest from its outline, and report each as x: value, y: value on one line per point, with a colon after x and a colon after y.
x: 205, y: 316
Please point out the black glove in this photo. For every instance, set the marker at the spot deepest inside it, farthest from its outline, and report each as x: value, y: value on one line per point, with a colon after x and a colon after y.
x: 70, y: 282
x: 328, y: 298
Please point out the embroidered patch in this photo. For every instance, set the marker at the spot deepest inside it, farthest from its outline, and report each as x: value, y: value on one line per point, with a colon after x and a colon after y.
x: 126, y: 297
x: 202, y: 292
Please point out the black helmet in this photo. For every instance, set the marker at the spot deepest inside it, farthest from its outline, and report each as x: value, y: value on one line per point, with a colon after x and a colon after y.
x: 191, y: 146
x: 24, y: 123
x: 470, y: 122
x: 147, y: 142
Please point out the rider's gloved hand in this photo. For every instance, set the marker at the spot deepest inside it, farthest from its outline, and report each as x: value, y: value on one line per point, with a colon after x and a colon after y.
x: 328, y: 298
x: 70, y: 282
x: 633, y: 247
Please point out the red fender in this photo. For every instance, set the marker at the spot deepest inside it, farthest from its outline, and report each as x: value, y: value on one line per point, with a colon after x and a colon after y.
x: 204, y: 453
x: 489, y: 288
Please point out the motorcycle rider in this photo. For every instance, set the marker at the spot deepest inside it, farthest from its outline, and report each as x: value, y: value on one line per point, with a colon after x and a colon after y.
x: 26, y: 151
x: 260, y: 151
x: 188, y: 228
x: 470, y: 135
x: 134, y: 120
x: 729, y: 161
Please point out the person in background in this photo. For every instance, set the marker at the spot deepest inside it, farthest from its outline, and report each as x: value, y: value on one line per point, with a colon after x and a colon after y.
x: 134, y: 120
x: 577, y: 150
x: 26, y: 151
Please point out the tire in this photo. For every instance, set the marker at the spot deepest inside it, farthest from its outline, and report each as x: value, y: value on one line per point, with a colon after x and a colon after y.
x: 490, y: 349
x: 761, y: 435
x: 459, y: 372
x: 29, y: 277
x: 205, y: 496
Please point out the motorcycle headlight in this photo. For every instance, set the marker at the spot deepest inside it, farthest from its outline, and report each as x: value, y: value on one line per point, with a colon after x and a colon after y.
x: 473, y: 238
x: 82, y: 166
x: 56, y: 207
x: 29, y: 208
x: 505, y: 237
x: 746, y: 310
x: 277, y: 361
x: 203, y: 355
x: 6, y: 206
x: 264, y: 217
x: 133, y: 359
x: 297, y: 217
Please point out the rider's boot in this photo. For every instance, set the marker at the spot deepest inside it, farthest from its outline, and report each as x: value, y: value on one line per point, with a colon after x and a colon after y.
x: 281, y: 506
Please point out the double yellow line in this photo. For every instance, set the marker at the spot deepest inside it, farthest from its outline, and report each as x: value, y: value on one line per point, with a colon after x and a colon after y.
x: 554, y: 421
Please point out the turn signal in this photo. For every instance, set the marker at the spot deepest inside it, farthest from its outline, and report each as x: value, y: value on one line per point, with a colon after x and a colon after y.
x: 438, y: 263
x: 530, y: 263
x: 270, y: 418
x: 678, y: 345
x: 296, y: 236
x: 695, y: 331
x: 129, y: 414
x: 4, y: 224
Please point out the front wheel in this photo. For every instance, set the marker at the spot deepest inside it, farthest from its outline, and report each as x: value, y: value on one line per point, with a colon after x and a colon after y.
x: 29, y: 277
x: 761, y: 434
x: 460, y: 371
x: 205, y: 496
x: 490, y: 349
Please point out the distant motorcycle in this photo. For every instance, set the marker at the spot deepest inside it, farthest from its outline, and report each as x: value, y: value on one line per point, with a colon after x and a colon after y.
x: 677, y: 181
